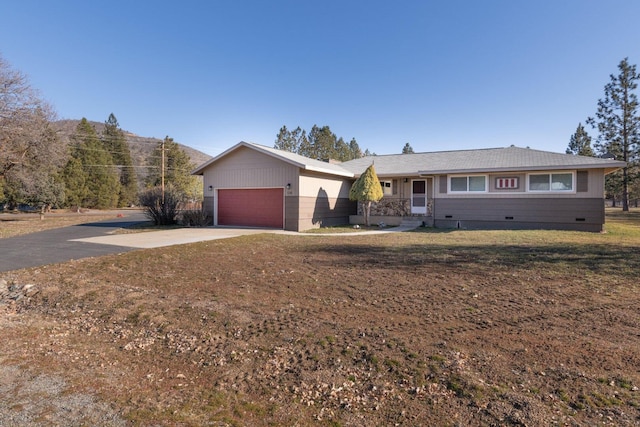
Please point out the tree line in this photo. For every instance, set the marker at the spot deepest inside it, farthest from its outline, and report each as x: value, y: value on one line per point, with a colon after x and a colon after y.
x: 92, y: 170
x: 320, y: 144
x: 95, y: 170
x: 617, y: 122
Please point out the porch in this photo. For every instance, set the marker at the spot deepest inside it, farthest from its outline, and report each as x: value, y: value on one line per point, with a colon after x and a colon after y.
x: 397, y: 211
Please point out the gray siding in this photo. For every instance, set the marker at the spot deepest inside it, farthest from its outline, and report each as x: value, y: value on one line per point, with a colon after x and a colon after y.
x: 318, y: 212
x: 442, y: 179
x: 582, y: 181
x: 520, y: 213
x: 208, y: 207
x: 291, y: 209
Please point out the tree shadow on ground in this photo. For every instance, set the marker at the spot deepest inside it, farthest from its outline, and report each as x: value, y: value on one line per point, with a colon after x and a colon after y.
x: 601, y: 259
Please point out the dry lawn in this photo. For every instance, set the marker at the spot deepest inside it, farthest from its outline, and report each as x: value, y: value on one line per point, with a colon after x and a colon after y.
x: 452, y: 328
x: 15, y: 224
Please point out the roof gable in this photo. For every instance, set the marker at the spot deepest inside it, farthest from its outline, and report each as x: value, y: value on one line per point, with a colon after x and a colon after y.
x: 297, y: 160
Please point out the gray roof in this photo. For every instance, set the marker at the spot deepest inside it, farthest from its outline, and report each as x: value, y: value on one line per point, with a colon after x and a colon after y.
x: 477, y: 161
x: 440, y: 162
x: 286, y: 156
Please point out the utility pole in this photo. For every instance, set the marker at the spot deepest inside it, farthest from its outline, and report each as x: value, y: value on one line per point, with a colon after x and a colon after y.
x: 162, y: 173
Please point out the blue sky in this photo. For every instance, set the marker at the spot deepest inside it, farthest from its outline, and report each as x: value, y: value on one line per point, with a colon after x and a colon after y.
x: 441, y: 75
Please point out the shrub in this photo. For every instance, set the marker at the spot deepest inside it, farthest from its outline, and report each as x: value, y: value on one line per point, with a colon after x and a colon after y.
x: 161, y: 213
x: 195, y: 218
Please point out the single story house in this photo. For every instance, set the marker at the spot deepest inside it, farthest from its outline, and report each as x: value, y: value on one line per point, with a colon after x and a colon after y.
x: 515, y: 188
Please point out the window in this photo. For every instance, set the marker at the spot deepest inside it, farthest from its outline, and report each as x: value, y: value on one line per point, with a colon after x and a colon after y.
x: 467, y: 184
x: 562, y: 181
x: 539, y: 183
x: 477, y: 183
x: 386, y: 188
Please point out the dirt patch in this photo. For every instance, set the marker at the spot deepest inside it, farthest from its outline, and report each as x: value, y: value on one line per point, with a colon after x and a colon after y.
x: 456, y: 328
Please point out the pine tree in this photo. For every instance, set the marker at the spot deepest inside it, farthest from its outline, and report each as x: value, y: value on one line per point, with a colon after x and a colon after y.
x: 319, y: 144
x: 116, y: 143
x: 341, y: 151
x: 75, y: 182
x: 365, y: 190
x: 290, y: 140
x: 103, y: 185
x: 283, y: 141
x: 356, y: 152
x: 618, y: 122
x: 407, y: 149
x: 580, y: 143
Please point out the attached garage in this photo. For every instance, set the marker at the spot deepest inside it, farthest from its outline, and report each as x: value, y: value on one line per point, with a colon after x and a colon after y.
x: 251, y: 185
x: 251, y: 207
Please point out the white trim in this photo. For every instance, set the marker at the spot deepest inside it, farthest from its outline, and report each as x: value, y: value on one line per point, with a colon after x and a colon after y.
x: 420, y: 210
x: 467, y: 191
x: 550, y: 190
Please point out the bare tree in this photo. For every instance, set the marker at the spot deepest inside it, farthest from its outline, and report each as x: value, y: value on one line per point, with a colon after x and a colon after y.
x: 29, y: 149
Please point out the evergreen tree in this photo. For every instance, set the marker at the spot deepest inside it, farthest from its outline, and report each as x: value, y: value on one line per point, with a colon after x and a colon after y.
x: 290, y: 140
x: 407, y: 149
x: 75, y: 181
x: 618, y: 122
x: 341, y: 151
x: 101, y: 176
x: 355, y: 150
x: 580, y: 143
x: 177, y: 170
x: 319, y: 144
x: 116, y: 143
x: 365, y: 190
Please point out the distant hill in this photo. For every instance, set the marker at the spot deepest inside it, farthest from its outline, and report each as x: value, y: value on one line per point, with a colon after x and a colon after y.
x: 141, y: 147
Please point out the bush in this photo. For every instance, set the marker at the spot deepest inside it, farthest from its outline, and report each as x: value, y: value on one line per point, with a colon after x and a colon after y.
x: 194, y: 218
x: 161, y: 213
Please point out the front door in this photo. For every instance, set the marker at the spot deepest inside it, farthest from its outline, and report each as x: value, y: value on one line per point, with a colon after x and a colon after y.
x: 419, y: 197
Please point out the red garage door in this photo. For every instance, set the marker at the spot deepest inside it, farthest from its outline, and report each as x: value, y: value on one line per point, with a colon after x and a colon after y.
x: 253, y: 207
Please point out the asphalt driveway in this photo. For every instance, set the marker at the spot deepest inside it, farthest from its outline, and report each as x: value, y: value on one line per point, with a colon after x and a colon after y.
x: 62, y: 244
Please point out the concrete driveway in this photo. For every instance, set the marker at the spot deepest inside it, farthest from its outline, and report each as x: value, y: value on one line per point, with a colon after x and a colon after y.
x: 99, y: 238
x: 178, y: 236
